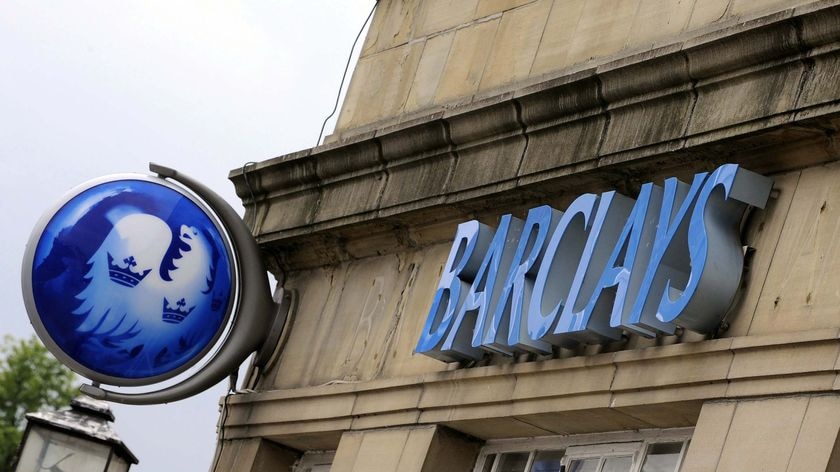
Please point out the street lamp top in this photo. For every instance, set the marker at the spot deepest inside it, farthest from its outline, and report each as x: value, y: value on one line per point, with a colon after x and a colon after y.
x: 86, y: 417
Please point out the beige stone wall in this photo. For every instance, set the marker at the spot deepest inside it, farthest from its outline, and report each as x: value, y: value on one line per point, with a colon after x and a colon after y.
x: 360, y: 320
x: 423, y: 55
x: 792, y: 434
x: 418, y: 449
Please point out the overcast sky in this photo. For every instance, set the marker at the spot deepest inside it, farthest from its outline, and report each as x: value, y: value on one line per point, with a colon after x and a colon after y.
x: 89, y: 88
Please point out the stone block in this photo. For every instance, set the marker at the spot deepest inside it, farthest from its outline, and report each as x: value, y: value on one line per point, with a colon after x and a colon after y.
x: 672, y: 371
x: 706, y: 12
x: 819, y: 382
x: 762, y: 435
x: 799, y: 292
x: 414, y: 303
x: 678, y: 350
x: 491, y: 7
x: 357, y: 330
x: 647, y: 123
x: 350, y: 197
x: 709, y: 437
x: 380, y: 342
x: 439, y: 15
x: 417, y: 180
x: 255, y: 455
x: 515, y: 45
x: 584, y: 421
x: 392, y: 25
x: 561, y: 25
x: 419, y: 160
x: 498, y: 428
x: 682, y: 393
x: 271, y: 457
x: 820, y: 26
x: 478, y: 166
x: 783, y: 360
x: 380, y: 450
x: 561, y: 100
x: 818, y: 435
x: 546, y: 404
x: 749, y: 97
x: 417, y: 448
x: 465, y: 65
x: 318, y: 291
x: 237, y: 454
x: 564, y: 382
x: 450, y: 451
x: 380, y: 86
x: 389, y: 400
x: 293, y: 211
x: 644, y: 76
x: 598, y: 34
x: 665, y: 415
x: 325, y: 407
x: 429, y: 72
x: 563, y: 145
x: 821, y: 81
x: 413, y: 140
x: 659, y: 20
x: 742, y: 8
x: 347, y: 451
x: 359, y: 154
x: 740, y: 46
x: 491, y: 121
x: 386, y: 420
x: 466, y: 412
x: 784, y: 338
x: 464, y: 392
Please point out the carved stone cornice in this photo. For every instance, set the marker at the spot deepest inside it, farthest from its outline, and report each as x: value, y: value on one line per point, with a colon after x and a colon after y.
x: 656, y: 387
x: 762, y: 94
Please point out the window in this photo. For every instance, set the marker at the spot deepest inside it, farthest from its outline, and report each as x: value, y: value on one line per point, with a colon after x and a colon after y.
x: 645, y: 451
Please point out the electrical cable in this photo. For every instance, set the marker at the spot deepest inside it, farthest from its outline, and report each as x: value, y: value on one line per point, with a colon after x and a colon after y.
x: 344, y: 75
x: 250, y: 189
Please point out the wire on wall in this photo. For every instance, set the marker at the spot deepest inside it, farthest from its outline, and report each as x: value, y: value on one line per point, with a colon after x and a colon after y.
x: 344, y: 75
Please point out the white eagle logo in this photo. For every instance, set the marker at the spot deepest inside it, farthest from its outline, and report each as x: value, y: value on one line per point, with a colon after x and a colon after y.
x: 129, y: 291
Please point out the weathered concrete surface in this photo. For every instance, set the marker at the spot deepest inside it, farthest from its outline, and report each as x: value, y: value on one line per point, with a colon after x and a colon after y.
x: 762, y: 94
x: 777, y: 434
x: 501, y: 45
x: 363, y: 226
x: 656, y: 387
x: 418, y: 449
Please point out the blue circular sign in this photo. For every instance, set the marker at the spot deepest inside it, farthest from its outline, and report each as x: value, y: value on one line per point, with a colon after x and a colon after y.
x: 131, y: 280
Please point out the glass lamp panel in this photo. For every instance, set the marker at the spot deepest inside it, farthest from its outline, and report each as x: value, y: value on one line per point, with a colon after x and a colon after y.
x: 59, y: 452
x: 117, y: 464
x: 618, y: 464
x: 662, y: 457
x: 547, y: 461
x: 513, y: 462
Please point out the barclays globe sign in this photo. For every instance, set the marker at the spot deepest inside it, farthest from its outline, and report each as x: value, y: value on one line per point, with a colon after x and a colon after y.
x: 133, y: 279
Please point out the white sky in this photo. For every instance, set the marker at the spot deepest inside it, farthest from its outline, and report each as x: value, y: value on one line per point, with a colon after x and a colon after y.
x: 89, y: 88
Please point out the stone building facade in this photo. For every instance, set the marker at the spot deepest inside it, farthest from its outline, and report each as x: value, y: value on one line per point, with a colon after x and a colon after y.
x: 470, y: 109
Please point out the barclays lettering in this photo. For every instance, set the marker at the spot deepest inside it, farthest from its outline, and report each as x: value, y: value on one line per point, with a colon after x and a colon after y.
x: 609, y: 263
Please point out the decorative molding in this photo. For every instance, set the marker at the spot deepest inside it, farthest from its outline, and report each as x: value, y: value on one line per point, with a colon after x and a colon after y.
x: 656, y: 387
x: 755, y: 93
